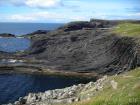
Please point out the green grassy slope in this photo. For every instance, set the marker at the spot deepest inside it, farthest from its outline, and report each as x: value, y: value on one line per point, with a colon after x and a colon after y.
x: 127, y: 29
x: 127, y: 93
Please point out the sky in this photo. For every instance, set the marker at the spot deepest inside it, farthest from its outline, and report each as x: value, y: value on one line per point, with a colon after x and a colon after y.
x: 62, y: 11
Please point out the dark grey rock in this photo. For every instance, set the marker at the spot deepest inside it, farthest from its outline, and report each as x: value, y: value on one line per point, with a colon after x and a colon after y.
x: 82, y: 47
x: 85, y: 51
x: 39, y: 32
x: 6, y: 35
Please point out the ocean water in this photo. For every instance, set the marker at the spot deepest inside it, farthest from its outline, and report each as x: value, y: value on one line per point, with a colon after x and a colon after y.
x: 13, y: 86
x: 14, y: 44
x: 25, y: 28
x: 19, y: 44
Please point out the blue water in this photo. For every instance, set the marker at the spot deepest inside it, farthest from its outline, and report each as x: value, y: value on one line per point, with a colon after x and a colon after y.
x: 25, y: 28
x: 19, y: 44
x: 14, y: 44
x: 13, y: 86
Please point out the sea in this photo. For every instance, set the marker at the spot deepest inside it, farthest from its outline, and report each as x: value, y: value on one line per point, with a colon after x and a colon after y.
x: 25, y: 28
x: 18, y: 29
x: 14, y: 86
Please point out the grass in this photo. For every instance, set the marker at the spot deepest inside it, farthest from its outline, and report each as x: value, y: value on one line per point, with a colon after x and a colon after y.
x: 127, y: 93
x: 127, y: 29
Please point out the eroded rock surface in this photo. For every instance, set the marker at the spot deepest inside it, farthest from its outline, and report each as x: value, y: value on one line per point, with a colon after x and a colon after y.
x: 80, y: 47
x: 64, y: 96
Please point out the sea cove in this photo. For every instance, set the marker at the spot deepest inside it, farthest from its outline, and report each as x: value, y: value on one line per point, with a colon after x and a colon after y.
x: 69, y: 52
x: 14, y: 86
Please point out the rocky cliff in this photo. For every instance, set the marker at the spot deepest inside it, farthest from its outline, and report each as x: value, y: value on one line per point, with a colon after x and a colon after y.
x: 86, y: 47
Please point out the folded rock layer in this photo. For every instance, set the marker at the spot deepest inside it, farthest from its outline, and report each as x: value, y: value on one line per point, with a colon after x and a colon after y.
x: 86, y: 47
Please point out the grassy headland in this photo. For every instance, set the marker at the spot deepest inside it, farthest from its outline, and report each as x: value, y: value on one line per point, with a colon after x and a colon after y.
x: 127, y: 29
x: 127, y: 92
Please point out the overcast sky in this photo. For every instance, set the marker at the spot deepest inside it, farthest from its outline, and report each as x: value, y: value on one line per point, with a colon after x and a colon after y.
x: 60, y: 11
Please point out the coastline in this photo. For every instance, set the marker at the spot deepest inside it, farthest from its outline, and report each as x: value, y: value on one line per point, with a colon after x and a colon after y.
x: 71, y: 44
x: 38, y: 71
x: 77, y: 49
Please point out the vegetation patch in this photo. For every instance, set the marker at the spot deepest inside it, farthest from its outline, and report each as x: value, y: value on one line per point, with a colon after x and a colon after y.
x: 127, y: 29
x: 127, y: 92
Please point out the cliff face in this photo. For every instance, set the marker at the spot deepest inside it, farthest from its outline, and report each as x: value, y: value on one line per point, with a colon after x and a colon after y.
x: 86, y: 47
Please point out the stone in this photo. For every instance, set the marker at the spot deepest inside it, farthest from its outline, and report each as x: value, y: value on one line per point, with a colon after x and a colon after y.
x: 77, y: 99
x: 17, y: 103
x: 114, y: 84
x: 71, y: 100
x: 48, y: 93
x: 22, y: 100
x: 31, y: 98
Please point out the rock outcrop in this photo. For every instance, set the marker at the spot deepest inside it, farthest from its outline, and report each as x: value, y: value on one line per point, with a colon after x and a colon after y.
x: 6, y: 35
x: 35, y: 34
x: 39, y: 32
x: 86, y: 47
x: 81, y: 47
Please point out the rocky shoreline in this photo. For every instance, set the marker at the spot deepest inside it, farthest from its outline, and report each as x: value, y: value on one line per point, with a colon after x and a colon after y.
x: 85, y: 49
x: 67, y: 95
x: 77, y: 48
x: 28, y: 66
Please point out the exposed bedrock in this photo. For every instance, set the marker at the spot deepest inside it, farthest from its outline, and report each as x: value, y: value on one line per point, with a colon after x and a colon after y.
x: 86, y: 51
x: 6, y: 35
x: 93, y: 23
x: 81, y: 47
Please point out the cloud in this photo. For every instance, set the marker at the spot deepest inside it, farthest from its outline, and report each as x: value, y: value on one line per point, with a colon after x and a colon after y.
x: 23, y: 18
x: 43, y: 3
x: 33, y: 16
x: 62, y: 18
x: 66, y: 10
x: 33, y: 3
x: 135, y: 14
x: 43, y: 17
